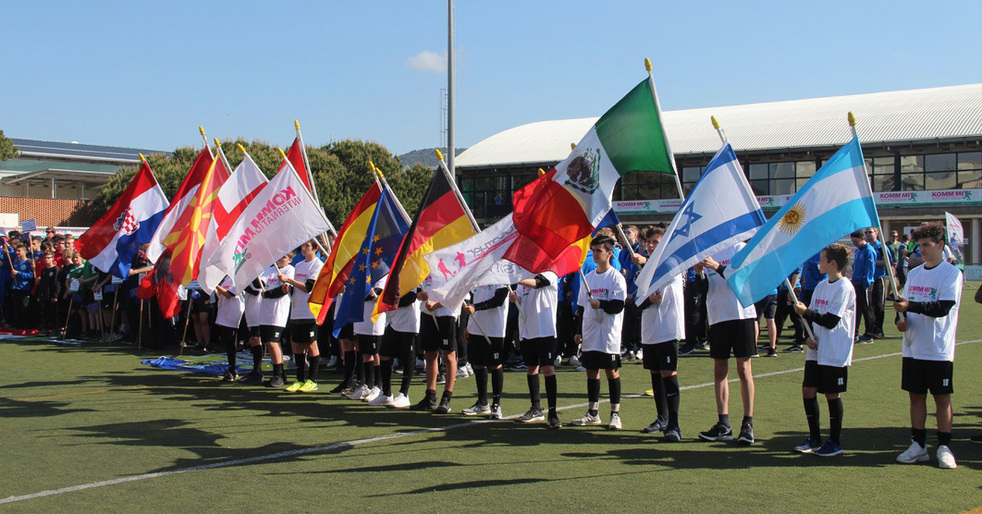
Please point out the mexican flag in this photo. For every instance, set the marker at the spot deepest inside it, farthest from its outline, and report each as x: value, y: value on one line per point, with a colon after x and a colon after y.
x: 628, y: 137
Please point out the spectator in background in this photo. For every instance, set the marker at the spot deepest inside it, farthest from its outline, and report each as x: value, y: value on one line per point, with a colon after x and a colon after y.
x: 877, y: 293
x: 864, y: 261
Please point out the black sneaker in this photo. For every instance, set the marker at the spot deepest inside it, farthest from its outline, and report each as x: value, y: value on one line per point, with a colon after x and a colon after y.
x: 688, y: 349
x: 977, y: 439
x: 337, y: 389
x: 553, y: 423
x: 531, y: 416
x: 658, y: 425
x: 673, y: 434
x: 424, y: 404
x: 746, y: 434
x: 229, y: 376
x: 795, y: 348
x: 771, y: 352
x: 717, y: 433
x: 252, y: 377
x: 276, y: 381
x: 443, y: 408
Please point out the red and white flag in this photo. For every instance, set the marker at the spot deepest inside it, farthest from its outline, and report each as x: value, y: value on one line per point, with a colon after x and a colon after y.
x: 177, y: 214
x: 241, y: 188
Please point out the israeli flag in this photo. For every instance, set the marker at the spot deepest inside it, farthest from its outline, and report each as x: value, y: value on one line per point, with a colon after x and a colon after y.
x: 835, y: 202
x: 720, y: 212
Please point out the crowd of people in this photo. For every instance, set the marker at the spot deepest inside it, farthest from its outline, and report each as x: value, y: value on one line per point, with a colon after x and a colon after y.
x: 590, y: 320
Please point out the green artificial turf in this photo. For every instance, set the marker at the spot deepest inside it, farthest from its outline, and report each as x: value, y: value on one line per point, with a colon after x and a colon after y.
x: 77, y: 415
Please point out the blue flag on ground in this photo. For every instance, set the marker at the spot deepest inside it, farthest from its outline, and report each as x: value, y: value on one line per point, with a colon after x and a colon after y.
x: 835, y: 202
x: 382, y: 239
x: 720, y: 212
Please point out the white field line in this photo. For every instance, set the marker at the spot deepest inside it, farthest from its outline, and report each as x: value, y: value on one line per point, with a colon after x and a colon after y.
x: 359, y: 442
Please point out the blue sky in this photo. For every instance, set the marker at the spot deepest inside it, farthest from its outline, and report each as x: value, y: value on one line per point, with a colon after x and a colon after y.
x: 146, y: 74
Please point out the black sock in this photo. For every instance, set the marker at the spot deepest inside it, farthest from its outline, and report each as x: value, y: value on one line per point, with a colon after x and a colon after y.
x: 614, y: 385
x: 552, y: 393
x: 385, y: 371
x: 447, y: 395
x: 481, y: 379
x: 278, y: 370
x: 919, y: 435
x: 747, y: 420
x: 533, y: 382
x: 407, y: 377
x: 673, y: 398
x: 360, y: 369
x: 369, y: 370
x: 835, y: 419
x: 350, y: 360
x: 257, y: 358
x: 497, y: 383
x: 593, y: 395
x: 378, y: 373
x: 431, y: 395
x: 944, y: 438
x: 315, y: 363
x: 658, y: 391
x: 724, y: 419
x: 230, y: 353
x: 812, y: 416
x: 301, y: 362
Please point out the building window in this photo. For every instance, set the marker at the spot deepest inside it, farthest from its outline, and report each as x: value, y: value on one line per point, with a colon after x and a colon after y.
x: 912, y: 173
x: 961, y: 170
x: 969, y: 170
x: 880, y: 171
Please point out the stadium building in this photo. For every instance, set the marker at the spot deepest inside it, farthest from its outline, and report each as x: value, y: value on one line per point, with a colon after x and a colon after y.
x: 52, y: 182
x: 923, y: 151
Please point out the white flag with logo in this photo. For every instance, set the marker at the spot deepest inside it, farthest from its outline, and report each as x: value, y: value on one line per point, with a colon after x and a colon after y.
x: 279, y: 219
x: 956, y: 235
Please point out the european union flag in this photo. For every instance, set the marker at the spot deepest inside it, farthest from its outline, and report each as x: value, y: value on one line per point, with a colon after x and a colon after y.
x: 382, y: 240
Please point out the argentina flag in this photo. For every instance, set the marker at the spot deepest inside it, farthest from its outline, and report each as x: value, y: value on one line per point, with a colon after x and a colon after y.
x: 835, y: 202
x: 720, y: 212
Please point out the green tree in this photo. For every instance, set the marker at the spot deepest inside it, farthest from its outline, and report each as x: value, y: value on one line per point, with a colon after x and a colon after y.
x: 7, y: 148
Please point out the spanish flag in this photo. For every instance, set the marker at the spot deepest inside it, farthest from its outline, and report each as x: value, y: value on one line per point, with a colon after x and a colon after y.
x: 440, y: 222
x: 334, y: 273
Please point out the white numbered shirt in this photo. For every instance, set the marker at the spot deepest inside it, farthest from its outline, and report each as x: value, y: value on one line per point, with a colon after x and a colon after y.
x: 834, y: 344
x: 405, y: 319
x: 494, y: 320
x: 666, y: 321
x: 367, y: 327
x: 275, y: 311
x: 303, y: 271
x: 928, y: 338
x: 537, y: 309
x: 230, y: 309
x: 721, y: 304
x: 602, y: 331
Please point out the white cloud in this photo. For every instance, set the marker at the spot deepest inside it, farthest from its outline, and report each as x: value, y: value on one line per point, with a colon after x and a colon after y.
x: 428, y: 61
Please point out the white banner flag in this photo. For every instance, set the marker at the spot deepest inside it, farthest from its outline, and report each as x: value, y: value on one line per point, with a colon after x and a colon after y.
x: 956, y: 235
x: 279, y: 219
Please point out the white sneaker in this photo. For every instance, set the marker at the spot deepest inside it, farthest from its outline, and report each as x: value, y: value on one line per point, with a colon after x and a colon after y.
x: 587, y: 419
x: 946, y: 459
x: 581, y: 368
x: 400, y: 401
x: 915, y: 454
x: 373, y: 393
x: 358, y: 393
x: 496, y: 412
x: 573, y: 361
x: 478, y: 409
x: 557, y: 361
x: 615, y: 421
x: 462, y: 372
x: 470, y: 369
x: 380, y: 399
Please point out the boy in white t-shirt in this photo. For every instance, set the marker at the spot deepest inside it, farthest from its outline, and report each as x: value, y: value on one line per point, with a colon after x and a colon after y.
x: 303, y: 323
x: 832, y: 315
x: 602, y: 313
x: 930, y: 301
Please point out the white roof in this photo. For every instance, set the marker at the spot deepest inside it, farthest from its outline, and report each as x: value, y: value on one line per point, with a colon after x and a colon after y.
x: 914, y: 115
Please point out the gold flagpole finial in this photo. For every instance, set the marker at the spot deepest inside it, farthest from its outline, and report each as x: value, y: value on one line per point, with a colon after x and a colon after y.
x: 852, y: 119
x: 439, y: 154
x: 572, y: 146
x: 202, y: 130
x: 142, y: 158
x: 647, y: 64
x: 240, y: 147
x: 542, y: 172
x: 297, y: 125
x: 715, y: 122
x: 375, y: 169
x: 282, y: 154
x: 218, y: 143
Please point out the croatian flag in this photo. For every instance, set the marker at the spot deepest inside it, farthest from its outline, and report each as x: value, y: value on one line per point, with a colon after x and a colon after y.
x: 833, y: 203
x: 113, y: 241
x: 720, y: 212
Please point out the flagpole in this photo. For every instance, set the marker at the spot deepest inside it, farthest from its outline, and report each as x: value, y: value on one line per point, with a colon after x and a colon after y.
x: 221, y: 153
x: 869, y: 189
x: 380, y: 178
x: 668, y: 147
x: 205, y: 139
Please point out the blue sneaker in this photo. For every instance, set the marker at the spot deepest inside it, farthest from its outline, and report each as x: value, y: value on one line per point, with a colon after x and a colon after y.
x: 829, y: 449
x: 809, y: 446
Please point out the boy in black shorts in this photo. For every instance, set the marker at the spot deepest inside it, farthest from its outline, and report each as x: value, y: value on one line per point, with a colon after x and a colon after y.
x: 832, y: 315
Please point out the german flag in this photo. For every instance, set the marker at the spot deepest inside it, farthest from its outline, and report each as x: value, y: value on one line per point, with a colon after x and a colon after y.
x: 346, y: 246
x: 440, y: 222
